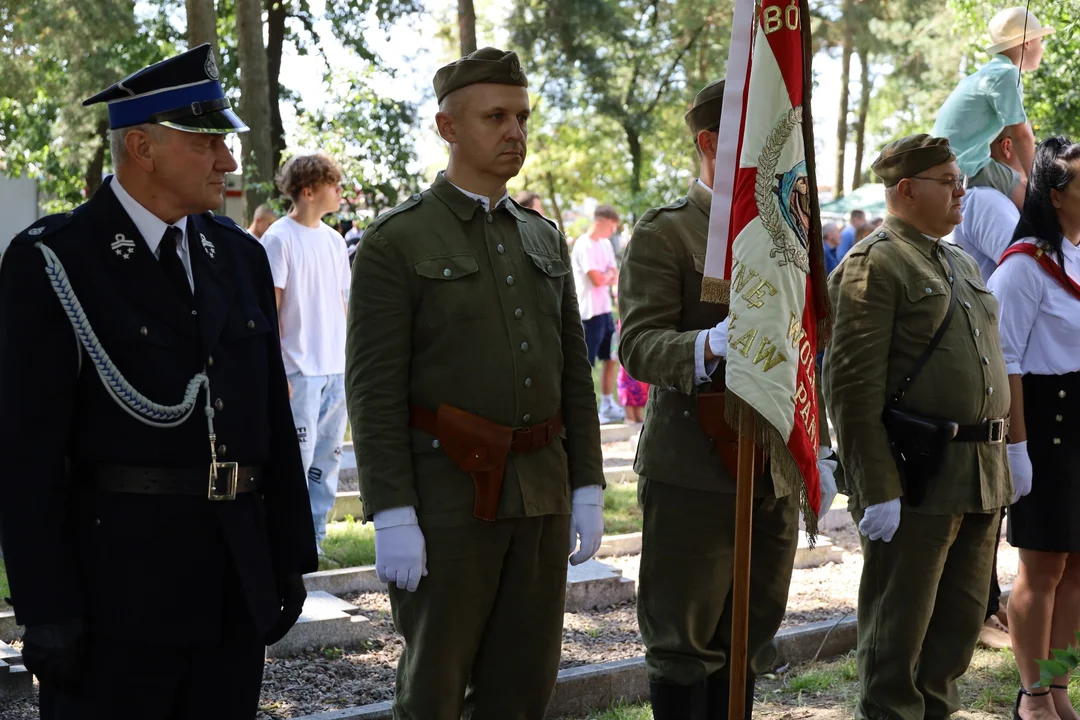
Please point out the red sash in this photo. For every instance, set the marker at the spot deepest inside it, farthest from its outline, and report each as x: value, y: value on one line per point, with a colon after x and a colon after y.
x: 1052, y: 268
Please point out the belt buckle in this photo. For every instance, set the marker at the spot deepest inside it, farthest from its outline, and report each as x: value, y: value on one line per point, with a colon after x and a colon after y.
x: 997, y: 431
x: 232, y: 471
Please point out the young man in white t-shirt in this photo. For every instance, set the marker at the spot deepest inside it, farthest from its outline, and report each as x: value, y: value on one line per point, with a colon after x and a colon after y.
x: 310, y: 266
x: 595, y: 273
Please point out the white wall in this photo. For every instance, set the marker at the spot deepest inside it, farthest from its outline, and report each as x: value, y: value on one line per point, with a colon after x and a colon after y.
x: 18, y: 207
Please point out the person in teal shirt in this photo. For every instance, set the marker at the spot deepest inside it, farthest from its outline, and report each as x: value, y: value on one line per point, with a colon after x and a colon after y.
x: 990, y: 100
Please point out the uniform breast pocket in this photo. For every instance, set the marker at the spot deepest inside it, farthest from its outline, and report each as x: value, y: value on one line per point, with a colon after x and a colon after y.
x: 984, y: 298
x: 133, y: 344
x: 551, y: 275
x: 927, y: 303
x: 453, y: 290
x: 244, y: 343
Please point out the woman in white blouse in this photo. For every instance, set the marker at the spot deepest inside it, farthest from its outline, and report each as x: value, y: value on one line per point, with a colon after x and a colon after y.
x: 1037, y: 288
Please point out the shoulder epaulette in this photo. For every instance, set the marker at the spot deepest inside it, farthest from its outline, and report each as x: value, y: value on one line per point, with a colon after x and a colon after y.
x: 43, y: 228
x: 227, y: 222
x: 413, y: 201
x: 530, y: 211
x: 650, y: 214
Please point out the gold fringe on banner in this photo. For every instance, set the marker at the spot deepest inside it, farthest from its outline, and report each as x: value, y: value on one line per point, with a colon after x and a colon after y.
x: 776, y: 450
x: 715, y: 290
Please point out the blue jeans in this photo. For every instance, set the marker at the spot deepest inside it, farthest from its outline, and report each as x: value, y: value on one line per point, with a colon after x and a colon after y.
x: 320, y: 415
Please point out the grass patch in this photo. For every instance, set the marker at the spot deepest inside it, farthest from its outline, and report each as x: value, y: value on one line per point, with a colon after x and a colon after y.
x: 621, y: 511
x: 348, y: 544
x: 622, y: 712
x: 5, y: 591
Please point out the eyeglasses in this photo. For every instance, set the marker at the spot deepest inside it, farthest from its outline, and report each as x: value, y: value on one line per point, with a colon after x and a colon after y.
x: 958, y: 184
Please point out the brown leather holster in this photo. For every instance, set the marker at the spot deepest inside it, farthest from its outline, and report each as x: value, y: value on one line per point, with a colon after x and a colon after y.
x: 480, y: 447
x: 710, y: 415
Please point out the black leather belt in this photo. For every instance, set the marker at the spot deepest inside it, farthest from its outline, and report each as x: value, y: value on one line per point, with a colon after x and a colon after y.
x: 992, y: 431
x: 177, y: 481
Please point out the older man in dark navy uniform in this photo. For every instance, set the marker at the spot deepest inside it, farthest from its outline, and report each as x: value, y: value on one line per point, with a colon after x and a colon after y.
x: 153, y: 502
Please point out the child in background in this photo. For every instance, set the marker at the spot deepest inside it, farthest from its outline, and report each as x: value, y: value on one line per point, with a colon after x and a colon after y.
x: 633, y: 395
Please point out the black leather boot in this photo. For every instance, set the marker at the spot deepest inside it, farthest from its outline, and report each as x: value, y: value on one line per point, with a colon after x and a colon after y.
x: 718, y: 695
x: 677, y: 702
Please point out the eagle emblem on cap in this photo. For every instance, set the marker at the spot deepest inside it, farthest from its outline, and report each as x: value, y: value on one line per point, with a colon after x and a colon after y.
x: 515, y: 69
x: 211, y: 66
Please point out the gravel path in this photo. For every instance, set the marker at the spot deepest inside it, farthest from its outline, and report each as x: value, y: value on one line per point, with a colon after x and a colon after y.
x: 330, y: 680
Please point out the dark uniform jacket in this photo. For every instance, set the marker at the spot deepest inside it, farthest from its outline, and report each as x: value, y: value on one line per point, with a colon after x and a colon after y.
x: 126, y: 563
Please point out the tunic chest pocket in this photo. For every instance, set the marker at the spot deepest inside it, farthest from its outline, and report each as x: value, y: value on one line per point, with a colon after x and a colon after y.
x: 245, y: 323
x: 128, y: 331
x: 452, y: 290
x: 927, y: 303
x: 549, y: 281
x: 983, y: 297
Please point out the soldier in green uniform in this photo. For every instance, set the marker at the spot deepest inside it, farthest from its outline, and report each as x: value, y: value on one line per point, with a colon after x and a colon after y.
x: 929, y: 527
x: 473, y: 415
x: 675, y: 342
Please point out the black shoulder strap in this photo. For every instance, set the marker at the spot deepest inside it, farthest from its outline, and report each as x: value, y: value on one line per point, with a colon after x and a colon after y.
x: 934, y: 341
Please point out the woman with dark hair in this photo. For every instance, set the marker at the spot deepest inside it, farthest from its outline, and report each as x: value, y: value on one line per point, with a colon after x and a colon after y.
x: 1037, y: 288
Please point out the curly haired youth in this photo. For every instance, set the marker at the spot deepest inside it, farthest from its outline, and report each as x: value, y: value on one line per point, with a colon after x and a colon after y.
x: 307, y: 171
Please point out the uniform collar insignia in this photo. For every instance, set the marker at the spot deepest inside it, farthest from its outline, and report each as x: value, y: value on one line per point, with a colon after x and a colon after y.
x: 123, y: 246
x: 207, y: 246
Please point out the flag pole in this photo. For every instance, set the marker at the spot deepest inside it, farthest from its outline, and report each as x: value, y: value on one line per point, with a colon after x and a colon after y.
x: 740, y: 588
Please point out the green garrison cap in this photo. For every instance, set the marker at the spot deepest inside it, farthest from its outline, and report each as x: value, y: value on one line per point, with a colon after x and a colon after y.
x: 705, y: 114
x: 910, y: 156
x: 486, y: 65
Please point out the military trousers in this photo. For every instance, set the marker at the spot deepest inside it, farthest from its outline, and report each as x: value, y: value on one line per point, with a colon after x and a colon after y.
x: 922, y: 600
x: 686, y: 574
x: 483, y: 631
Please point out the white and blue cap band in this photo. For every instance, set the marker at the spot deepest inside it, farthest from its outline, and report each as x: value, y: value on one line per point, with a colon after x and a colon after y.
x: 182, y: 92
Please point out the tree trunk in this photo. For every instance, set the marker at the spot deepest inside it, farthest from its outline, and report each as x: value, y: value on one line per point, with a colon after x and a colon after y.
x: 549, y: 181
x: 97, y: 162
x: 276, y: 12
x: 466, y: 18
x: 860, y: 123
x: 845, y: 79
x: 201, y: 23
x: 256, y: 152
x: 633, y: 140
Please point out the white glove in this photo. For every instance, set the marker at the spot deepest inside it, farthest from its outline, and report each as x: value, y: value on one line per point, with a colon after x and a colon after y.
x: 881, y: 521
x: 586, y: 522
x: 718, y: 338
x: 1020, y: 464
x: 827, y: 472
x: 400, y: 552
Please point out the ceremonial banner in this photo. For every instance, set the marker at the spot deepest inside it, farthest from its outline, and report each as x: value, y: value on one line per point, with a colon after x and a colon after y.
x: 764, y: 255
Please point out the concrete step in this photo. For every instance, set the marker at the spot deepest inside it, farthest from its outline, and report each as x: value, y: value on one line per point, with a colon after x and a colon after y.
x: 593, y: 584
x: 10, y: 655
x: 16, y: 683
x: 823, y: 552
x: 8, y: 629
x: 326, y: 621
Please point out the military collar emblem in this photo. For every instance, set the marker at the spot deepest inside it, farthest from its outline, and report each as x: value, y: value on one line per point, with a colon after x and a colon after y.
x: 35, y: 230
x: 123, y: 247
x: 211, y: 66
x: 208, y: 246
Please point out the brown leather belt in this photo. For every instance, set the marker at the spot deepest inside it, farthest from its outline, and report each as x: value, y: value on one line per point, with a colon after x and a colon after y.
x: 525, y: 440
x: 173, y: 481
x: 480, y: 447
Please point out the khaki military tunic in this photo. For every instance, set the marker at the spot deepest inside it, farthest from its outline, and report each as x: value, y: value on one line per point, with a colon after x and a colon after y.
x: 687, y: 494
x: 922, y: 597
x: 454, y: 305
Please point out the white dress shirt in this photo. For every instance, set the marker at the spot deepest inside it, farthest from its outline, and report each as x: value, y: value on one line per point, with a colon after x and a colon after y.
x: 990, y: 219
x: 152, y: 228
x: 484, y: 200
x: 1039, y: 319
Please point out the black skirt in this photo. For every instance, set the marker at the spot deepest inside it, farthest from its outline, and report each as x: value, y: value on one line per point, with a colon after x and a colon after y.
x: 1048, y: 518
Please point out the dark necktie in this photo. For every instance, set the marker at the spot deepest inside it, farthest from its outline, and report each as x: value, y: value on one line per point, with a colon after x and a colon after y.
x: 172, y: 265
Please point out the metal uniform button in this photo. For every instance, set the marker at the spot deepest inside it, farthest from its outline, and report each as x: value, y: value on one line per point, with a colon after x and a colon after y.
x: 929, y: 291
x: 219, y: 405
x: 1061, y: 393
x: 221, y: 449
x: 447, y: 272
x: 528, y: 382
x: 435, y: 444
x: 977, y: 332
x: 210, y: 361
x: 251, y: 324
x: 989, y: 391
x: 1059, y: 418
x: 526, y: 418
x: 950, y: 278
x: 518, y: 313
x: 509, y: 279
x: 524, y: 347
x: 490, y: 219
x: 143, y: 331
x: 1057, y: 441
x: 967, y: 304
x: 416, y: 196
x: 686, y: 413
x: 986, y: 360
x: 500, y: 248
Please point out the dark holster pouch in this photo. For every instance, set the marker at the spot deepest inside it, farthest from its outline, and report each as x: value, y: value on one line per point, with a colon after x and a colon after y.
x: 918, y: 441
x: 710, y: 413
x: 480, y: 447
